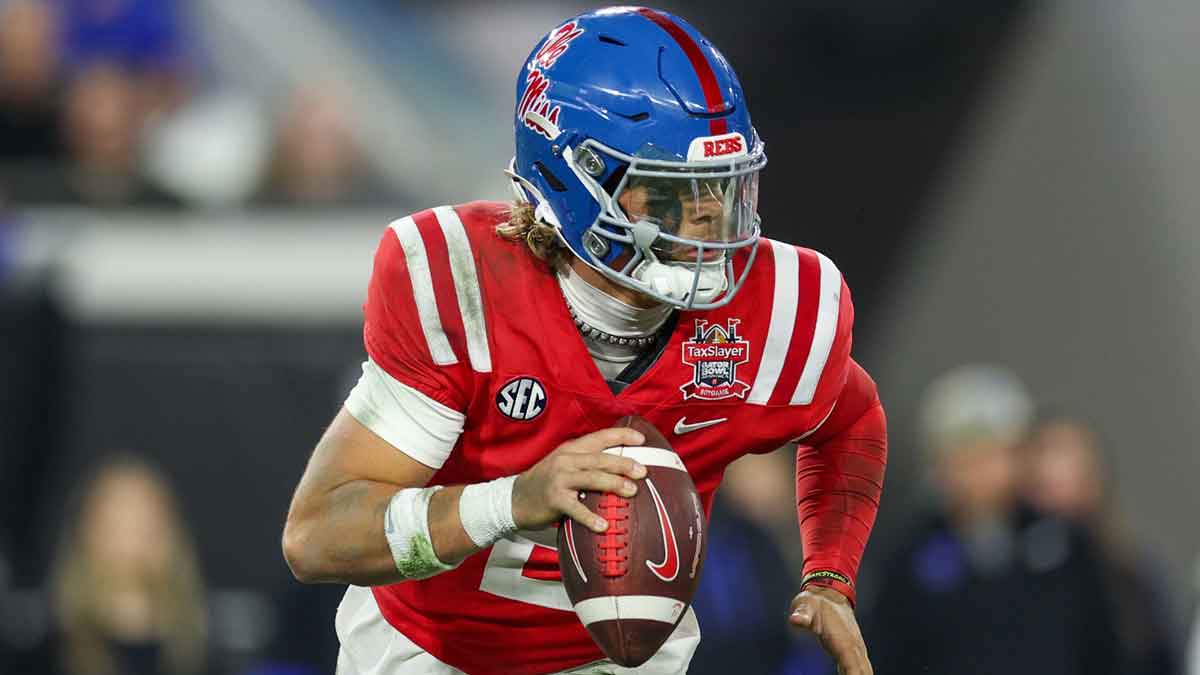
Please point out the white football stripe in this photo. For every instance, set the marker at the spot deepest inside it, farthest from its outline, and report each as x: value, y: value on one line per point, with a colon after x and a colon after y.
x: 422, y: 284
x: 823, y: 334
x: 647, y: 607
x: 783, y: 320
x: 466, y: 287
x: 648, y: 456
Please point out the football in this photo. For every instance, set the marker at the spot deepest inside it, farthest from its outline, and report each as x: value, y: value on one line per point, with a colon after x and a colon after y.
x: 632, y: 584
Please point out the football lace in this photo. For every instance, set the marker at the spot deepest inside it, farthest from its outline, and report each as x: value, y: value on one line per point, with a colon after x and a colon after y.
x: 614, y: 544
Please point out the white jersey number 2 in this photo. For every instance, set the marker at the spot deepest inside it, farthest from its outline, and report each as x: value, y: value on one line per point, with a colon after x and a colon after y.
x: 513, y: 572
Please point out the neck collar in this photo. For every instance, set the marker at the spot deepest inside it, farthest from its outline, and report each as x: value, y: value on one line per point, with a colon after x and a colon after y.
x: 603, y: 318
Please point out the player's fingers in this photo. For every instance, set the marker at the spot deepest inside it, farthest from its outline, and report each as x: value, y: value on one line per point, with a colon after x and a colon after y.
x: 575, y: 510
x: 612, y: 464
x: 605, y: 438
x: 601, y: 481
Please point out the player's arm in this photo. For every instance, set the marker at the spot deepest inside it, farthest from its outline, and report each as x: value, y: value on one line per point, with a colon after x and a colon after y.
x: 364, y: 512
x: 839, y: 479
x: 338, y: 525
x: 334, y: 529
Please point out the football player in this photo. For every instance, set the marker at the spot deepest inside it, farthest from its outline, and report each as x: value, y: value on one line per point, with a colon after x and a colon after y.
x: 505, y: 339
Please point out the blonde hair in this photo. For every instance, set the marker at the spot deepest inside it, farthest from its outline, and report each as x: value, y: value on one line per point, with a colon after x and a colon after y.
x: 177, y: 591
x: 541, y: 238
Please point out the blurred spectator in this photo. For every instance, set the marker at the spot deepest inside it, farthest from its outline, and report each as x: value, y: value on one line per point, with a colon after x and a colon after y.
x: 1068, y: 477
x: 213, y: 152
x: 747, y: 584
x: 102, y: 128
x: 984, y: 585
x: 762, y: 489
x: 144, y: 37
x: 28, y: 79
x: 128, y: 593
x: 317, y: 160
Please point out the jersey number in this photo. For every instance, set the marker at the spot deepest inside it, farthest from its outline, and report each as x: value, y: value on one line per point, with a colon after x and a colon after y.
x: 521, y: 570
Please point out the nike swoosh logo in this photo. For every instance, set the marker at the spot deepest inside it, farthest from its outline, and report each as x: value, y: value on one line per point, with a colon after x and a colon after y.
x: 570, y: 537
x: 682, y: 427
x: 669, y: 567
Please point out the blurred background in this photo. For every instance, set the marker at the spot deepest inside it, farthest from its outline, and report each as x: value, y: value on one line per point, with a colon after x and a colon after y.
x: 190, y: 196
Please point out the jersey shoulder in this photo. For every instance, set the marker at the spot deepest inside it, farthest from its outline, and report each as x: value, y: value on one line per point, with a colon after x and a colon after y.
x: 807, y: 332
x: 425, y: 321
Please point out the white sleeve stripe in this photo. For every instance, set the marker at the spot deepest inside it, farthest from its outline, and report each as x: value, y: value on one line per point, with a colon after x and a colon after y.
x: 783, y: 321
x: 408, y: 420
x: 466, y: 287
x: 823, y: 334
x: 422, y: 284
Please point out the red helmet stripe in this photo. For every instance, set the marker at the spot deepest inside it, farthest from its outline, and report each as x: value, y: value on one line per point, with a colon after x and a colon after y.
x: 708, y: 78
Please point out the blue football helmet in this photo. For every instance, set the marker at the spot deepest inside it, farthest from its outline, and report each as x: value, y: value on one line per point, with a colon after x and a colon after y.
x: 633, y: 140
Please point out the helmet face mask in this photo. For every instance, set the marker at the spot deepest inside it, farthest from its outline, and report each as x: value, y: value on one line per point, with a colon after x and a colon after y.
x: 633, y: 140
x: 675, y: 223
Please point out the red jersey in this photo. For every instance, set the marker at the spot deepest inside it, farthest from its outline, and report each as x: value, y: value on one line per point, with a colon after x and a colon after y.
x: 480, y: 325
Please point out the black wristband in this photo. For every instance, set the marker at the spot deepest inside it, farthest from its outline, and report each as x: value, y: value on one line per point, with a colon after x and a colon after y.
x: 825, y: 574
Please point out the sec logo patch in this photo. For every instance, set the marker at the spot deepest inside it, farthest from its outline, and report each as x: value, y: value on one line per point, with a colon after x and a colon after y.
x: 521, y: 398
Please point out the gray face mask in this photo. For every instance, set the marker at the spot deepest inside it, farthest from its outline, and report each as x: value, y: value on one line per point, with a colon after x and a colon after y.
x: 682, y: 221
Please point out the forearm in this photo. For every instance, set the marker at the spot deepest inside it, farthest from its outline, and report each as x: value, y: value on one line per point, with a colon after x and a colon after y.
x: 839, y: 480
x: 341, y: 537
x: 348, y: 529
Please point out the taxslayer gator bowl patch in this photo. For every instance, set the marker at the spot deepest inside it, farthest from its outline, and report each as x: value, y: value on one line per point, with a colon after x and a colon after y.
x: 714, y: 352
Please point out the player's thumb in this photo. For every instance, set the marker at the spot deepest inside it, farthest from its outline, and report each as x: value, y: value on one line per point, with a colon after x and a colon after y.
x: 802, y: 615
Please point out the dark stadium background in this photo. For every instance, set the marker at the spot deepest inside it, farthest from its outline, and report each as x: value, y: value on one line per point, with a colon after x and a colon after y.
x: 1000, y: 181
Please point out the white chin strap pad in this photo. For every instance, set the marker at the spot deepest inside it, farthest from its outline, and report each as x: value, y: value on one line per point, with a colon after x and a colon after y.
x: 674, y: 280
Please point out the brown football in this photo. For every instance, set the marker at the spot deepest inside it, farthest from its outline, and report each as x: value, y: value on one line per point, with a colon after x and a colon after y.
x: 632, y: 584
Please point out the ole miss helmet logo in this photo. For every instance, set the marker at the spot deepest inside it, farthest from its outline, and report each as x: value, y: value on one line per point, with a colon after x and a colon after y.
x: 556, y: 44
x: 714, y: 352
x: 534, y: 100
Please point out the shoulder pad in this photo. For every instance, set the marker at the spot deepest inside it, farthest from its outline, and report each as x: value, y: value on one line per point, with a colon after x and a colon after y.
x: 808, y: 337
x: 441, y: 268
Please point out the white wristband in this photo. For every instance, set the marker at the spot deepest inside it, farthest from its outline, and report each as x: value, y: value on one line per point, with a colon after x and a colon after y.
x: 486, y: 510
x: 406, y: 526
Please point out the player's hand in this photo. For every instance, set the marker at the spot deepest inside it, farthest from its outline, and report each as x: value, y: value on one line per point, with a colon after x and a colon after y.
x: 827, y: 614
x: 550, y: 489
